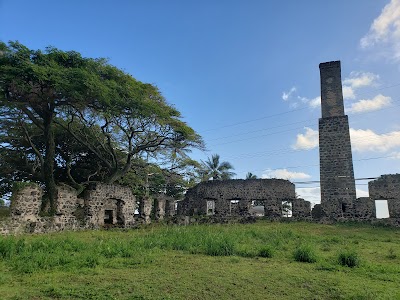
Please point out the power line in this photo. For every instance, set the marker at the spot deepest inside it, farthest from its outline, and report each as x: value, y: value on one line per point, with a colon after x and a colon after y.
x: 258, y: 130
x: 260, y: 136
x: 288, y: 150
x: 286, y: 112
x: 317, y: 165
x: 258, y: 119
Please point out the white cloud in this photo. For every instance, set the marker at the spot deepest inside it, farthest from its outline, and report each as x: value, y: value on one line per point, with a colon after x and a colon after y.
x: 306, y: 141
x: 395, y: 155
x: 357, y: 80
x: 360, y: 79
x: 348, y: 92
x: 284, y: 174
x: 312, y: 194
x: 315, y: 102
x: 385, y: 30
x: 367, y: 140
x: 364, y: 105
x: 361, y: 140
x: 286, y: 95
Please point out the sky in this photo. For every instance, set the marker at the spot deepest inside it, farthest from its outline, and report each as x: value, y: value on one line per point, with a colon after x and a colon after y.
x: 244, y: 74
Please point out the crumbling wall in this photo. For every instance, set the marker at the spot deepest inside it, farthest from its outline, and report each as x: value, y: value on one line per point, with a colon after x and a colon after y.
x: 301, y: 209
x: 159, y: 207
x: 387, y: 187
x: 235, y: 197
x: 146, y: 205
x: 364, y: 209
x: 170, y: 205
x: 100, y: 197
x: 26, y: 203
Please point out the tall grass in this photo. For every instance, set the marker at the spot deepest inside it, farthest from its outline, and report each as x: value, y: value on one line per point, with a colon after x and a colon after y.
x: 348, y: 258
x: 75, y: 251
x: 305, y: 253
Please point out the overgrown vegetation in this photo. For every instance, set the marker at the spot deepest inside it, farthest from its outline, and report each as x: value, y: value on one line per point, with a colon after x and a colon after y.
x: 349, y: 258
x: 65, y: 118
x: 305, y: 253
x: 252, y: 261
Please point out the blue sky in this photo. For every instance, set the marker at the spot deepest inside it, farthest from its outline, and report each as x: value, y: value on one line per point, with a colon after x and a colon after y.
x: 245, y: 74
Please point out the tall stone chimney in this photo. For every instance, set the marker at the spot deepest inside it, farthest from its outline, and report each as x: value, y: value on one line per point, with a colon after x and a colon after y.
x: 338, y: 191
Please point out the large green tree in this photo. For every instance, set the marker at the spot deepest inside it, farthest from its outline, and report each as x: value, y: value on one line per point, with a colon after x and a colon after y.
x: 70, y: 113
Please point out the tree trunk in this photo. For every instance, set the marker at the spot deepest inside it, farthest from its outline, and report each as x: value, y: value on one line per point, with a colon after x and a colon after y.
x: 48, y: 166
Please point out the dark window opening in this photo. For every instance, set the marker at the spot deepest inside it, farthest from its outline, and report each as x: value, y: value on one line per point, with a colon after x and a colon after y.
x: 108, y: 217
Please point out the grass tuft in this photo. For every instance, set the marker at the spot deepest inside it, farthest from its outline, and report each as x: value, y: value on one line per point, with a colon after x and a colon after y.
x: 349, y: 259
x: 305, y: 253
x: 265, y: 251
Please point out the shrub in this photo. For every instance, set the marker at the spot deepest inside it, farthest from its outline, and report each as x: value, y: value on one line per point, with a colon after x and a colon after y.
x: 305, y: 253
x: 265, y: 252
x: 348, y: 259
x: 219, y: 246
x: 392, y: 254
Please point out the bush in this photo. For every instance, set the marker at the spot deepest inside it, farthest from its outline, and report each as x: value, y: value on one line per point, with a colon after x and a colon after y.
x: 305, y: 253
x: 219, y: 246
x: 392, y: 254
x: 265, y: 252
x: 348, y: 259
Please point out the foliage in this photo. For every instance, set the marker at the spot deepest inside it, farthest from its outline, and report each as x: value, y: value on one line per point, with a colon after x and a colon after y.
x: 348, y: 259
x: 66, y: 118
x: 250, y: 175
x: 265, y: 251
x: 304, y: 253
x: 216, y: 170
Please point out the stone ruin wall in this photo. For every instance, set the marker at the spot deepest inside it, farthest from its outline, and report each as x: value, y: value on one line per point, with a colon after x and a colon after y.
x: 235, y: 197
x: 101, y: 205
x: 387, y: 187
x: 25, y: 204
x: 71, y: 212
x: 99, y: 198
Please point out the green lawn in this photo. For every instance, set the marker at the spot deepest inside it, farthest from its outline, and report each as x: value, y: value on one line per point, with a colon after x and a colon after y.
x: 251, y: 261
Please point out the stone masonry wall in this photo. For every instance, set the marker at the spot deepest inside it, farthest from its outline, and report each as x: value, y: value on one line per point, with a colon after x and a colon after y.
x: 100, y: 197
x: 234, y: 197
x: 301, y: 209
x: 25, y: 203
x: 364, y: 209
x: 336, y: 164
x: 387, y: 187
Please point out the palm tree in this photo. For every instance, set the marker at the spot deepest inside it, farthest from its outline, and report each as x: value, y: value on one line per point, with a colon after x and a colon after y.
x: 250, y: 175
x: 212, y: 168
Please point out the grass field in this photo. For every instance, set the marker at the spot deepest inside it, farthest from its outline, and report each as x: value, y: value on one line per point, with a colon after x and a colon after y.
x: 243, y: 261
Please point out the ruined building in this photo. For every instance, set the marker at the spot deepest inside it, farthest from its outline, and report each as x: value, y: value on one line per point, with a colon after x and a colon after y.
x: 387, y: 187
x: 241, y: 198
x: 338, y: 191
x: 104, y: 204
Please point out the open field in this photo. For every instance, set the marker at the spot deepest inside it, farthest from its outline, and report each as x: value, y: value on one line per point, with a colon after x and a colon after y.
x: 252, y: 261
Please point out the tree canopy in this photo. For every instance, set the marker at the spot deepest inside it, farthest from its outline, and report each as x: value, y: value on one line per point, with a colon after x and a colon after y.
x: 67, y: 118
